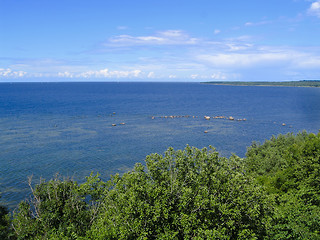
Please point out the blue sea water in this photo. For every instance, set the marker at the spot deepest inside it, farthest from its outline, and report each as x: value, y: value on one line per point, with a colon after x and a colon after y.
x: 66, y: 128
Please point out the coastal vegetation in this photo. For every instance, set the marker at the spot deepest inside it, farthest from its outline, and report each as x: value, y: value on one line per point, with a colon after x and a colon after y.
x: 303, y: 83
x: 272, y: 193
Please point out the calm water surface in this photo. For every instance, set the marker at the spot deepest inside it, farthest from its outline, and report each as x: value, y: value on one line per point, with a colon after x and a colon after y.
x: 66, y: 128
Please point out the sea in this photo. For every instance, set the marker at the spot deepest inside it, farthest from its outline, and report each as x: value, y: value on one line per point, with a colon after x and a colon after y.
x: 75, y: 129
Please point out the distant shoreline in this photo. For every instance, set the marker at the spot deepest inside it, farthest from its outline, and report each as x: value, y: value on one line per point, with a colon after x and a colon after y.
x: 303, y: 83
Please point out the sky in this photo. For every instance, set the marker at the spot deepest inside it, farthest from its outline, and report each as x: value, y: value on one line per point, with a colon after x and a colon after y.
x: 159, y: 40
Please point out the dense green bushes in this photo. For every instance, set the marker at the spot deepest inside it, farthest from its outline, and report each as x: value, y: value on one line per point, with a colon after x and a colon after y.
x: 289, y: 169
x: 183, y: 195
x: 273, y: 193
x: 58, y: 209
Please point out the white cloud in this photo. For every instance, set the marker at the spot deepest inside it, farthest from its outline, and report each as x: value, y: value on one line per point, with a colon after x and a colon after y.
x: 194, y: 76
x: 130, y: 40
x: 242, y: 60
x: 151, y: 75
x: 248, y: 24
x: 122, y: 27
x: 169, y: 37
x: 237, y: 46
x: 9, y: 73
x: 212, y: 76
x: 218, y: 76
x: 241, y: 39
x: 252, y: 24
x: 162, y: 40
x: 315, y: 9
x: 105, y: 73
x: 66, y: 74
x: 173, y: 33
x: 308, y: 62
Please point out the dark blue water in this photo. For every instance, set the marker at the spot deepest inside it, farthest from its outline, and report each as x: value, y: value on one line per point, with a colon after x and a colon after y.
x: 66, y: 128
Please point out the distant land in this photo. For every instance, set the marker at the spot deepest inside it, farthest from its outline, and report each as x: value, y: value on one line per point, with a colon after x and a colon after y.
x: 302, y: 83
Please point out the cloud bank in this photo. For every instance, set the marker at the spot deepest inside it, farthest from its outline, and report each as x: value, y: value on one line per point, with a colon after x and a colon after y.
x: 9, y: 73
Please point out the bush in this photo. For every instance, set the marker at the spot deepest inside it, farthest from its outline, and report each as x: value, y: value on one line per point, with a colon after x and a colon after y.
x: 288, y: 166
x: 182, y: 195
x: 58, y: 208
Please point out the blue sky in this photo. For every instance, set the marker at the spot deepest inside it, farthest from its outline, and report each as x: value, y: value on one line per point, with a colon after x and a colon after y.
x: 152, y: 40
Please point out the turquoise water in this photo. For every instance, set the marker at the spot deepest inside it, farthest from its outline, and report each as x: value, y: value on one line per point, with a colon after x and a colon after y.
x: 66, y: 128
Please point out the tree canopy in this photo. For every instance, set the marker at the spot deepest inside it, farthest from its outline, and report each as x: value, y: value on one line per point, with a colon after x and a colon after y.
x: 288, y: 167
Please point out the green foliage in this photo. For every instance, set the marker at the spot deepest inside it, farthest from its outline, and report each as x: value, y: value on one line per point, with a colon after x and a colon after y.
x: 289, y: 168
x: 58, y: 210
x: 182, y: 195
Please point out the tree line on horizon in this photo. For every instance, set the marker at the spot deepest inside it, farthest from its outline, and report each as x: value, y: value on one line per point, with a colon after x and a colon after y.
x: 272, y: 193
x: 302, y: 83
